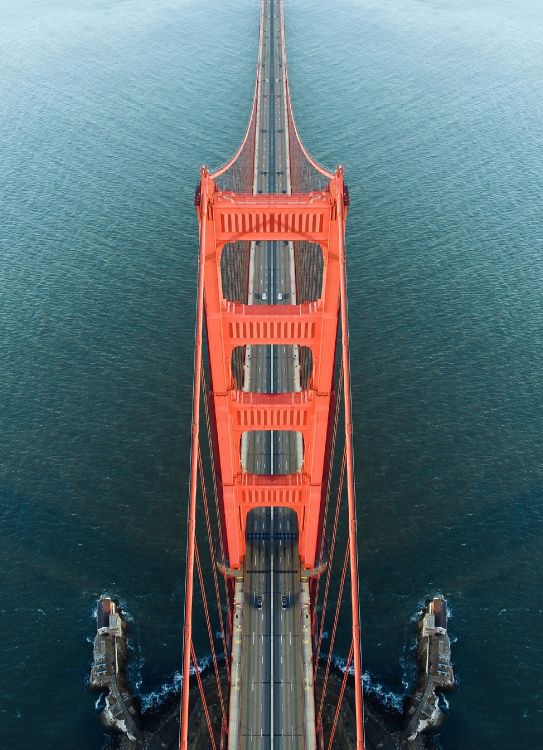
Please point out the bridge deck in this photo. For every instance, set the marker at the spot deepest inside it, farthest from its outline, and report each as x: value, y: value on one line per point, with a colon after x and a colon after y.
x: 271, y: 684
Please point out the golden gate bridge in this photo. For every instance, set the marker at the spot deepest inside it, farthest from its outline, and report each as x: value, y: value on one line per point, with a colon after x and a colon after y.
x: 271, y: 540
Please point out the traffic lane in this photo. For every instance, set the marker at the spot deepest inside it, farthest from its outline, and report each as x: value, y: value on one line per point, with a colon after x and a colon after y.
x: 288, y: 626
x: 285, y: 709
x: 256, y: 688
x: 250, y: 628
x: 271, y: 271
x: 259, y: 446
x: 287, y: 706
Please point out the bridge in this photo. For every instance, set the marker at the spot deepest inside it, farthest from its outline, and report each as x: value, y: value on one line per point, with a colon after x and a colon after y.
x: 271, y: 439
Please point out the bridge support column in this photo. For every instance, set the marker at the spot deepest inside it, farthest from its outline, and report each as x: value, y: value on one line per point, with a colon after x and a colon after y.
x: 231, y: 217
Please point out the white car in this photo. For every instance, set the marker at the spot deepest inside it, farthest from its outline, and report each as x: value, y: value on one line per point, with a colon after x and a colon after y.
x: 264, y: 295
x: 279, y: 295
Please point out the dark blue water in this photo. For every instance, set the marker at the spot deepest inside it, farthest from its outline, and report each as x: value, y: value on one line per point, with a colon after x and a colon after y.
x: 107, y: 109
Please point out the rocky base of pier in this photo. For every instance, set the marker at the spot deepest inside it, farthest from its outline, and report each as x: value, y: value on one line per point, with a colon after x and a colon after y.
x: 423, y: 712
x: 108, y: 673
x: 383, y: 727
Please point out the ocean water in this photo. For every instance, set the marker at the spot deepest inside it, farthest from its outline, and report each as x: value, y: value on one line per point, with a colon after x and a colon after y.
x: 106, y: 111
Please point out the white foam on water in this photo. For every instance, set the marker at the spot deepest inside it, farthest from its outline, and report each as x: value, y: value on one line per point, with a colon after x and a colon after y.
x: 100, y: 702
x: 408, y: 664
x: 444, y: 703
x: 155, y: 698
x: 203, y: 663
x: 340, y: 662
x: 123, y: 606
x: 420, y: 607
x: 387, y: 698
x: 135, y: 670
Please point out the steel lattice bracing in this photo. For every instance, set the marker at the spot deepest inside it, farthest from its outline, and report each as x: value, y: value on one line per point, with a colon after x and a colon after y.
x: 271, y: 302
x: 316, y: 218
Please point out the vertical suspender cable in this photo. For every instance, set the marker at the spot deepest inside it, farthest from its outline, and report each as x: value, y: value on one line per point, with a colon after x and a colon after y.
x: 209, y: 630
x: 212, y: 460
x: 340, y: 699
x: 330, y: 562
x: 212, y: 555
x: 202, y: 696
x: 334, y: 631
x: 215, y: 488
x: 329, y: 480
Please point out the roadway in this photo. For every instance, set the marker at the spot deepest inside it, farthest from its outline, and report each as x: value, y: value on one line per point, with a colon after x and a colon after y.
x: 271, y: 693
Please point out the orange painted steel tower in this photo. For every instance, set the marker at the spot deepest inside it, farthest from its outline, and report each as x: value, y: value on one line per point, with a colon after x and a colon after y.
x: 317, y: 218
